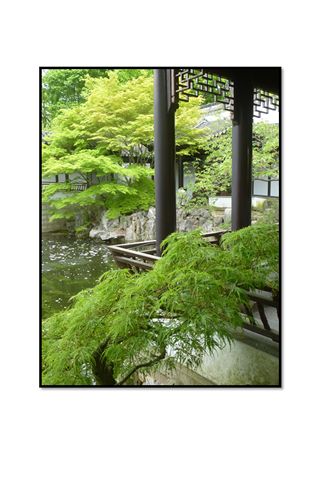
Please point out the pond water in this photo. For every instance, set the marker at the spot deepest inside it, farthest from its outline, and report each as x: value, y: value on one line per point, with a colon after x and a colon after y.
x: 70, y: 265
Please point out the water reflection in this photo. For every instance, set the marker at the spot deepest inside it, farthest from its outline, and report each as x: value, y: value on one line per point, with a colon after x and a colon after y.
x: 70, y: 265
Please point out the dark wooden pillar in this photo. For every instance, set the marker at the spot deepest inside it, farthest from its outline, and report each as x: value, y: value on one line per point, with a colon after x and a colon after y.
x: 164, y: 150
x: 242, y: 152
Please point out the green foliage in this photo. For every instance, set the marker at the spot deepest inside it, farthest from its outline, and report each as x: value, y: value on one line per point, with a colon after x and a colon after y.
x: 189, y: 139
x: 255, y: 255
x: 140, y: 196
x: 62, y: 88
x: 265, y: 150
x: 270, y: 213
x: 214, y: 173
x: 125, y: 75
x: 185, y: 307
x: 115, y: 121
x: 65, y: 88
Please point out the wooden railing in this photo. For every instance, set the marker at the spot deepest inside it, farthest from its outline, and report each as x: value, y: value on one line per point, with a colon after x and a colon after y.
x: 77, y: 187
x: 126, y: 255
x: 255, y: 318
x: 137, y: 261
x: 260, y: 300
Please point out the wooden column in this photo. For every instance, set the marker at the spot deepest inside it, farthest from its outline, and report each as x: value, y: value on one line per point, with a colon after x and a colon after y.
x: 164, y: 150
x: 242, y: 152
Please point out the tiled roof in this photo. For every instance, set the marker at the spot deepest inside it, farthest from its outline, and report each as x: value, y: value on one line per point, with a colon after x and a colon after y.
x: 215, y: 119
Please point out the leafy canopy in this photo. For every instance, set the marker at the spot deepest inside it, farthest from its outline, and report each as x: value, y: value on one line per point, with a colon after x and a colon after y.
x: 185, y: 307
x: 111, y: 135
x: 64, y: 88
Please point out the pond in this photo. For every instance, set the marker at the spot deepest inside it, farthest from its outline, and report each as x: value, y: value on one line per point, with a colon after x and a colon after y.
x: 70, y: 265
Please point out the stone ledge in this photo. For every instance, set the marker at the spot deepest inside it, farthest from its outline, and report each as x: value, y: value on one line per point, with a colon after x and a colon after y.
x: 181, y: 376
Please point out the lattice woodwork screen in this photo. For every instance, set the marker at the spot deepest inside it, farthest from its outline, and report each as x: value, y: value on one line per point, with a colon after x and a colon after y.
x: 263, y: 102
x: 194, y: 82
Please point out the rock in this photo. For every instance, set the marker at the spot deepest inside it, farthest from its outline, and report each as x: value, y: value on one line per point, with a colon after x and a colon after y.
x: 196, y: 212
x: 152, y: 213
x: 269, y: 203
x: 182, y: 197
x: 106, y: 235
x: 70, y: 225
x: 207, y: 227
x: 108, y: 224
x: 94, y: 233
x: 130, y: 236
x: 204, y: 213
x: 150, y: 230
x: 82, y: 234
x: 142, y: 225
x: 227, y: 215
x: 113, y: 235
x: 185, y: 225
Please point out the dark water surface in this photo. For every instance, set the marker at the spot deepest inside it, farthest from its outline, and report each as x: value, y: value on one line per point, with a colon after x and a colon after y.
x: 70, y: 265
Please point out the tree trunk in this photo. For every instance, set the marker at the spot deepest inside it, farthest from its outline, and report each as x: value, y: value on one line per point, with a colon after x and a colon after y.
x: 102, y: 370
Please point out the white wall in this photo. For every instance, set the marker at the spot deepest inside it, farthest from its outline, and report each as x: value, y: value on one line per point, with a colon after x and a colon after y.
x: 226, y: 201
x: 274, y: 189
x: 272, y: 117
x: 261, y: 188
x: 52, y: 179
x: 241, y: 364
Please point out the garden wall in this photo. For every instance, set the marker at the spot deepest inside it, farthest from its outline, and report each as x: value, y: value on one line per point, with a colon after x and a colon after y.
x: 63, y: 225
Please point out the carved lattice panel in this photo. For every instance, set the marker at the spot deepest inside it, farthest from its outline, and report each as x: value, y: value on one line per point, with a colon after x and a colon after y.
x: 194, y: 82
x: 263, y: 102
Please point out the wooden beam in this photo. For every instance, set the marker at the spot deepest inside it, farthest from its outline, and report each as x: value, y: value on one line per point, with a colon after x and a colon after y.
x: 242, y: 153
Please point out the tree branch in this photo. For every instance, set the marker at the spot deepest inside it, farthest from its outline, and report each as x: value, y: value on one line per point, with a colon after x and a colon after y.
x: 146, y: 364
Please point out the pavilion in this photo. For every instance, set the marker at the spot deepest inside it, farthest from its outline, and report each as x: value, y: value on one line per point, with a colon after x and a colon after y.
x: 246, y: 93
